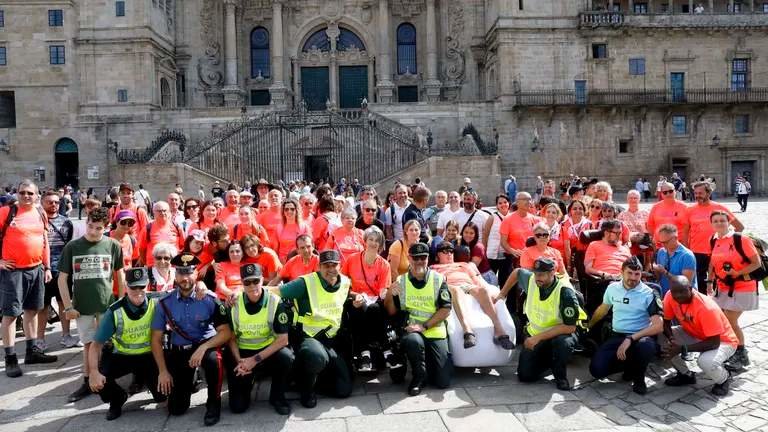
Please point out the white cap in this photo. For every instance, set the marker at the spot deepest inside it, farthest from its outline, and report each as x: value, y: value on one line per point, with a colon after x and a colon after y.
x: 467, y: 180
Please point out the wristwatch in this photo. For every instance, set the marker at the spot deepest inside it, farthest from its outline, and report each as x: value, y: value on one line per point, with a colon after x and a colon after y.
x: 258, y: 358
x: 425, y: 325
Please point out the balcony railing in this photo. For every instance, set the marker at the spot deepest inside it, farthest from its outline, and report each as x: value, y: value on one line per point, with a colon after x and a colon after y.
x: 640, y: 97
x: 602, y: 19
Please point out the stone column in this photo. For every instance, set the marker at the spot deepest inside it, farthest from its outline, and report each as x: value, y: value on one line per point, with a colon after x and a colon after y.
x: 730, y: 6
x: 690, y: 6
x: 296, y: 76
x: 631, y: 8
x: 610, y: 5
x: 384, y: 87
x: 671, y: 6
x: 333, y: 77
x: 277, y: 90
x: 233, y: 94
x: 711, y: 6
x: 432, y: 86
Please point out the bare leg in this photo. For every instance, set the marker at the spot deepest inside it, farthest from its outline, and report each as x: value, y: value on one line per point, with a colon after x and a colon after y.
x: 733, y: 318
x: 42, y: 321
x: 30, y: 324
x: 9, y: 331
x: 65, y: 329
x: 457, y: 294
x: 482, y: 297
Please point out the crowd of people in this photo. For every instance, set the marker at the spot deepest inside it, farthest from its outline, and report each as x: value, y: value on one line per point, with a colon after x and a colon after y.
x: 312, y: 284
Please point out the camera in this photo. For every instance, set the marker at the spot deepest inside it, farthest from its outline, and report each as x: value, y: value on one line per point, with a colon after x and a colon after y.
x: 645, y: 242
x: 727, y: 266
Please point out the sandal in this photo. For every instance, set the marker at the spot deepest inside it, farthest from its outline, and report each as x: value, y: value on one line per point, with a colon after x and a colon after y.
x: 470, y: 340
x: 504, y: 341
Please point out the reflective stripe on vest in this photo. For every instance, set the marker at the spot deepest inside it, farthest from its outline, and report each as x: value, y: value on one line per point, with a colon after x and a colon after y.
x: 326, y: 307
x: 545, y: 314
x: 133, y: 336
x: 421, y: 304
x: 254, y: 332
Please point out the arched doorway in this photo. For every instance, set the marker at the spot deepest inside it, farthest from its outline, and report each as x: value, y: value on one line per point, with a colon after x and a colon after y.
x: 334, y: 67
x: 67, y: 163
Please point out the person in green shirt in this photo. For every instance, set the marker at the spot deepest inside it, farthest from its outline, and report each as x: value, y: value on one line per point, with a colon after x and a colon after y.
x: 553, y: 312
x: 320, y: 298
x: 94, y: 261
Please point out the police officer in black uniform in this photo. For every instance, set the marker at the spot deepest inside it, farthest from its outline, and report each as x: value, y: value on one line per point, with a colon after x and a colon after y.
x: 260, y: 323
x: 198, y: 328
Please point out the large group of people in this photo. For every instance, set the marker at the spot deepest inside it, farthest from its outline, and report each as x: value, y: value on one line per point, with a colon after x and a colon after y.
x: 315, y: 284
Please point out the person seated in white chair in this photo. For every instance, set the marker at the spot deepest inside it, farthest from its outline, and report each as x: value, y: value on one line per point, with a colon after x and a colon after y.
x: 464, y: 278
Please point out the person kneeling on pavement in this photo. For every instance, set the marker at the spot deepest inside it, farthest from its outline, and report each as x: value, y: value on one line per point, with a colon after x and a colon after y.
x: 703, y: 328
x: 260, y: 324
x: 127, y: 324
x: 553, y: 312
x: 636, y: 322
x: 426, y: 300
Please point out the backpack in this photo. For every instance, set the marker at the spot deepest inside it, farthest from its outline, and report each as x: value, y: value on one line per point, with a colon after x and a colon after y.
x: 761, y: 272
x: 12, y: 214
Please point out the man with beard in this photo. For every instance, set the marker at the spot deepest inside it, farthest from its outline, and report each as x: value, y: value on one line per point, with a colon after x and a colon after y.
x: 636, y: 321
x: 470, y: 213
x: 424, y: 297
x: 553, y: 312
x: 603, y: 260
x: 393, y: 218
x: 125, y: 194
x: 198, y: 328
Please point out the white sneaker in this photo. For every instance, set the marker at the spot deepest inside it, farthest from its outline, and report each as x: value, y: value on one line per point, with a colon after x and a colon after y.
x: 40, y: 343
x: 70, y: 341
x: 366, y: 365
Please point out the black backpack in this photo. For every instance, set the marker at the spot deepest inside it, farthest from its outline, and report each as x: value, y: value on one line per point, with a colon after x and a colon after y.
x: 758, y: 274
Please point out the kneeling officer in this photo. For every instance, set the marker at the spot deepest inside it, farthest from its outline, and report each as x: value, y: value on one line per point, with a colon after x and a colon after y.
x: 260, y: 322
x: 127, y: 323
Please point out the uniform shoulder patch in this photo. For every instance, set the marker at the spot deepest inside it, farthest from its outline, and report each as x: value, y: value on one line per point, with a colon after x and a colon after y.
x: 569, y: 312
x: 445, y: 295
x: 659, y: 303
x: 222, y: 309
x: 282, y: 318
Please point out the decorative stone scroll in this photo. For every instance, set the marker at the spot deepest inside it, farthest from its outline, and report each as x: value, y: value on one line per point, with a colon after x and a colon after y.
x: 209, y: 65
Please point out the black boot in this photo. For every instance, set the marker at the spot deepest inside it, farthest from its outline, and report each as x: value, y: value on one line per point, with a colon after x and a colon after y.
x: 116, y: 407
x: 12, y: 368
x: 81, y: 392
x: 36, y: 355
x: 212, y: 412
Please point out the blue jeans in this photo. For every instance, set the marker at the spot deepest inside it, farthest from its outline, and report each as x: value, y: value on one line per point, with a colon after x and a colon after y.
x: 639, y: 355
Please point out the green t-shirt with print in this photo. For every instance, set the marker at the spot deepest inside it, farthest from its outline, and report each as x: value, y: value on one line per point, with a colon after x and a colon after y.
x: 92, y: 266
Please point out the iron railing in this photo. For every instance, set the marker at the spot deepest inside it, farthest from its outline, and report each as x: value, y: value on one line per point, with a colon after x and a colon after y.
x: 146, y: 154
x: 640, y: 97
x: 601, y: 19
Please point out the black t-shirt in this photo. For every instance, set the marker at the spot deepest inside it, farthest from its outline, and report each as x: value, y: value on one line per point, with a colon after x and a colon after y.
x: 360, y: 224
x: 217, y: 192
x: 413, y: 212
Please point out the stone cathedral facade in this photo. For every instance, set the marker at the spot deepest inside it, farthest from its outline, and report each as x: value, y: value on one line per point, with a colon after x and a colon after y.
x: 616, y: 89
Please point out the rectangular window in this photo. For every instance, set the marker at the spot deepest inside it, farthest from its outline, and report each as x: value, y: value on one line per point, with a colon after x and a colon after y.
x: 765, y: 8
x: 599, y: 51
x: 665, y: 8
x: 57, y: 54
x: 122, y: 95
x: 120, y: 8
x: 55, y: 18
x: 641, y: 8
x: 520, y: 4
x: 685, y: 9
x: 616, y: 7
x: 679, y: 125
x: 739, y: 74
x: 3, y: 59
x: 737, y: 8
x: 7, y: 109
x: 741, y: 124
x: 408, y: 94
x: 2, y: 18
x: 625, y: 146
x: 260, y: 97
x: 637, y: 66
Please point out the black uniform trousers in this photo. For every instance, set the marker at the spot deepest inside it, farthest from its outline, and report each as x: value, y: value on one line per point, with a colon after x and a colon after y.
x: 368, y: 325
x: 549, y: 354
x: 278, y: 365
x: 115, y: 365
x: 639, y: 355
x: 429, y: 359
x: 177, y: 362
x: 702, y: 268
x: 320, y: 367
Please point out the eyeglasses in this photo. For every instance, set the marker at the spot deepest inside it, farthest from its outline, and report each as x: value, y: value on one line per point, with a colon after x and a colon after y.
x: 667, y: 192
x: 419, y: 258
x: 25, y: 193
x: 595, y: 207
x: 541, y: 235
x: 54, y: 202
x: 127, y: 222
x: 289, y: 209
x: 190, y: 207
x: 162, y: 258
x: 370, y: 210
x: 250, y: 282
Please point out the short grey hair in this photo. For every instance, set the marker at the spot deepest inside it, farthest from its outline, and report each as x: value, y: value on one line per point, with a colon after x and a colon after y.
x: 166, y: 248
x: 375, y: 233
x: 348, y: 212
x: 670, y: 229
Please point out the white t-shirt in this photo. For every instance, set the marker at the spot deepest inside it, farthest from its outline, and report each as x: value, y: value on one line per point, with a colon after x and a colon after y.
x: 462, y: 217
x: 397, y: 223
x: 445, y: 216
x: 141, y: 197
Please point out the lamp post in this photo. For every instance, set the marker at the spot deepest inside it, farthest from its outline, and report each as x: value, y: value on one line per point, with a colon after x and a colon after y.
x: 715, y: 141
x: 430, y: 139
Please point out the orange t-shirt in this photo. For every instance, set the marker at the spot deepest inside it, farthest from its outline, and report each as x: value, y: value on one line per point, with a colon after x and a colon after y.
x: 723, y: 252
x: 295, y: 267
x: 367, y: 279
x: 606, y: 258
x: 701, y: 318
x: 517, y: 229
x: 169, y: 233
x: 531, y: 254
x: 269, y: 262
x: 26, y: 239
x: 459, y: 274
x: 346, y: 242
x: 230, y: 274
x: 286, y: 238
x: 664, y: 213
x: 320, y: 232
x: 130, y: 254
x: 700, y: 228
x: 229, y: 217
x: 238, y: 231
x: 271, y: 221
x: 574, y: 231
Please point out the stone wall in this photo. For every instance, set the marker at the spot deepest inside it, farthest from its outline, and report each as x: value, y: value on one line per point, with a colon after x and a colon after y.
x: 160, y: 179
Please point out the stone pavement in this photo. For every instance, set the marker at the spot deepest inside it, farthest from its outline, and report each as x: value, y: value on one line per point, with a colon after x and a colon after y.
x: 483, y: 399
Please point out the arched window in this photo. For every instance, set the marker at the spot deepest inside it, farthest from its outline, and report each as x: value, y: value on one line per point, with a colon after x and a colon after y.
x: 319, y: 40
x: 165, y: 94
x: 260, y: 60
x: 406, y: 49
x: 348, y: 39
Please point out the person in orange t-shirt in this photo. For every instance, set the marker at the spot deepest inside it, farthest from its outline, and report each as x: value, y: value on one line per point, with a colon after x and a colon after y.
x: 603, y: 260
x: 291, y: 227
x: 347, y: 239
x: 272, y: 218
x: 370, y: 276
x: 305, y: 262
x: 700, y: 229
x: 517, y: 227
x: 228, y: 281
x: 255, y: 253
x: 668, y: 211
x: 125, y: 194
x: 229, y: 215
x: 125, y: 220
x: 541, y: 249
x: 162, y: 229
x: 703, y: 328
x: 248, y: 225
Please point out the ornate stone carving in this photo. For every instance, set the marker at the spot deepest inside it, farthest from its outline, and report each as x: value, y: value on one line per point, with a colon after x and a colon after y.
x: 407, y: 8
x: 209, y: 65
x: 455, y: 64
x: 257, y: 10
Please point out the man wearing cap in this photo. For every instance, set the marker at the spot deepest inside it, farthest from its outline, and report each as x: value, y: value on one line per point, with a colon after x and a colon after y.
x: 260, y: 323
x: 125, y: 193
x: 423, y: 296
x: 127, y: 323
x: 553, y: 312
x: 199, y: 327
x: 320, y: 298
x: 262, y: 190
x: 246, y: 198
x: 216, y: 191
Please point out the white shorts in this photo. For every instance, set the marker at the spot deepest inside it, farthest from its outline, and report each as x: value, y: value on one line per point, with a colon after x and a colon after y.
x: 741, y: 300
x: 86, y: 327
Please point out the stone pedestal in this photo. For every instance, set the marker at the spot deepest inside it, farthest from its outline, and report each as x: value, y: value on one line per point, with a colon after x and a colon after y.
x: 233, y: 96
x: 279, y: 95
x: 385, y: 92
x: 432, y: 90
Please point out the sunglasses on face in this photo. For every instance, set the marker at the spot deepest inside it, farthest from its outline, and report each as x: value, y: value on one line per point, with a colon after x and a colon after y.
x: 289, y: 209
x: 541, y: 235
x: 54, y: 202
x: 595, y: 207
x: 370, y: 210
x: 162, y: 258
x: 419, y: 258
x: 667, y: 192
x: 127, y: 222
x: 446, y: 251
x: 251, y: 282
x: 190, y: 207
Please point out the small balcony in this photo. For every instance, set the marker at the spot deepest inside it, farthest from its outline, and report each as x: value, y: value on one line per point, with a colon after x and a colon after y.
x: 674, y: 13
x: 639, y: 97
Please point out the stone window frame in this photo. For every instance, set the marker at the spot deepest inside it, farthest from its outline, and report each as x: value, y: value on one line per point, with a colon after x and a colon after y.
x: 57, y: 51
x: 253, y: 49
x: 4, y: 57
x: 2, y: 18
x: 630, y: 153
x: 686, y: 133
x: 749, y: 124
x: 400, y: 42
x: 120, y: 8
x: 55, y: 17
x: 122, y: 95
x: 592, y: 51
x: 638, y: 62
